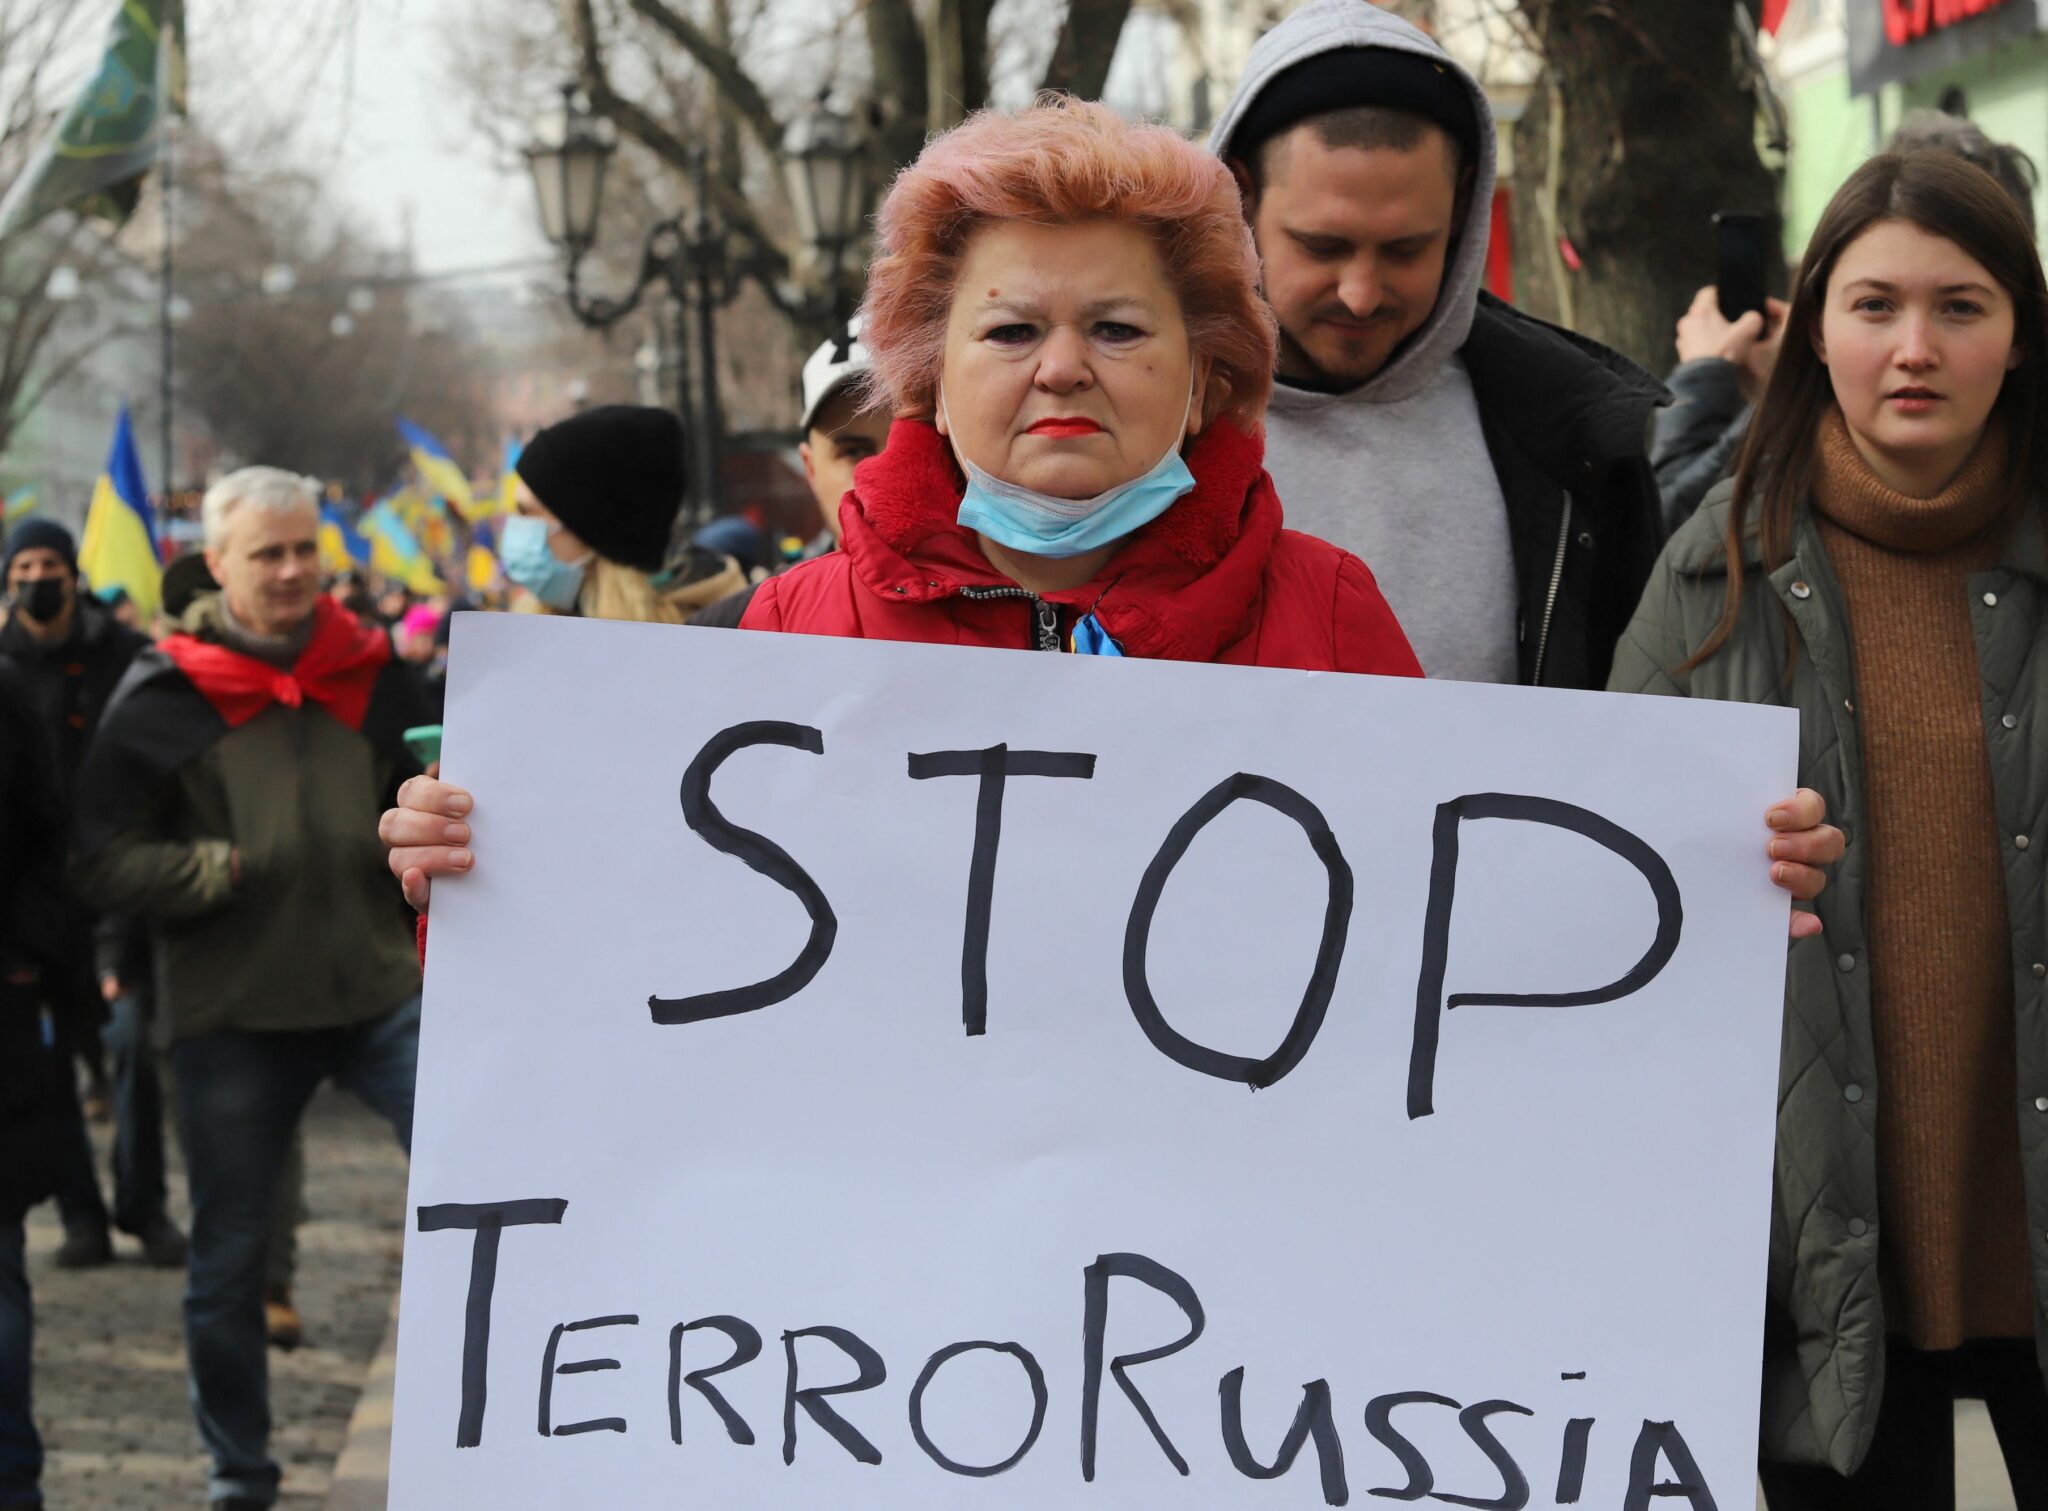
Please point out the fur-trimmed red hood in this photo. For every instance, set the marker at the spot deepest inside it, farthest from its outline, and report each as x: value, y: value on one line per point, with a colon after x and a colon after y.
x: 1181, y: 588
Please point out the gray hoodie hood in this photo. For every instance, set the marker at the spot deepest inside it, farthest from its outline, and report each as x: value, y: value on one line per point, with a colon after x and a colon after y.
x: 1324, y: 26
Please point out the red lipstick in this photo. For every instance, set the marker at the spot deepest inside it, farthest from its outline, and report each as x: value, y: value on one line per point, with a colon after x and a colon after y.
x: 1065, y: 428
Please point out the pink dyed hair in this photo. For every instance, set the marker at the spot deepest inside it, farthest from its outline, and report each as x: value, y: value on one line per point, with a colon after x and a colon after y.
x: 1060, y: 162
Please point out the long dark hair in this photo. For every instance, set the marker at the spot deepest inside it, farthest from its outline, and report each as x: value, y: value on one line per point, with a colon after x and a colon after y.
x: 1946, y: 197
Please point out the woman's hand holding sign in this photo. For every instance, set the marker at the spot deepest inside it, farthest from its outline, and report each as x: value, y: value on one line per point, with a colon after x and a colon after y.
x: 1801, y: 843
x: 427, y: 834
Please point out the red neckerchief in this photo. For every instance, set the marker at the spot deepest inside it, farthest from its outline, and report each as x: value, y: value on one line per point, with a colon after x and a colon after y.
x: 336, y: 670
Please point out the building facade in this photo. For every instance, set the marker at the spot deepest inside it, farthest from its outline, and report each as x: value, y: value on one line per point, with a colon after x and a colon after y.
x: 1849, y: 71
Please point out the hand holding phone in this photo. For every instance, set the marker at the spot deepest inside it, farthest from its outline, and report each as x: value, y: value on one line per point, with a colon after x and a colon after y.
x: 1739, y: 265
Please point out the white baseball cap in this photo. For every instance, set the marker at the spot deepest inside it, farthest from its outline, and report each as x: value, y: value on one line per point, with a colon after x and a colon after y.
x: 831, y: 367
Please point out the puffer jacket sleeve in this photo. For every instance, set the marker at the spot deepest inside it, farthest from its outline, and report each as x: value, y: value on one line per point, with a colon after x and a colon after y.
x: 1698, y: 436
x: 142, y: 872
x: 1367, y: 636
x: 763, y: 609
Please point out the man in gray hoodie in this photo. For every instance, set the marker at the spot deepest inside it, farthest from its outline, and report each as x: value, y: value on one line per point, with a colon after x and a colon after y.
x: 1489, y: 468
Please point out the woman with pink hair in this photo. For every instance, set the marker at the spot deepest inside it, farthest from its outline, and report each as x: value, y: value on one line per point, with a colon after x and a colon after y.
x: 1066, y: 320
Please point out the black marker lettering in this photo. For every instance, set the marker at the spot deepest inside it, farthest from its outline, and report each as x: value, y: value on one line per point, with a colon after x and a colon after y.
x: 1514, y: 1493
x: 1095, y: 1323
x: 1379, y: 1415
x: 1664, y: 1438
x: 488, y: 1220
x: 1571, y: 1466
x: 1032, y: 1374
x: 763, y: 855
x: 746, y: 1348
x: 1313, y: 1418
x: 549, y: 1369
x: 812, y: 1398
x: 1436, y: 931
x: 994, y: 766
x: 1322, y: 984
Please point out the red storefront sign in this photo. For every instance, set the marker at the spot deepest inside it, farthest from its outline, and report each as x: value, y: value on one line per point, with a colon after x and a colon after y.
x: 1907, y: 21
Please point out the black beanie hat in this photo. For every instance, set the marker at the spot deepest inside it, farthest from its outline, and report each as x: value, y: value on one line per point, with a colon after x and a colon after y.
x: 184, y: 580
x: 615, y: 477
x: 1347, y: 77
x: 44, y: 533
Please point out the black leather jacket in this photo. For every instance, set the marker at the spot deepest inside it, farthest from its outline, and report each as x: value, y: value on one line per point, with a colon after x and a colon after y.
x: 1567, y: 422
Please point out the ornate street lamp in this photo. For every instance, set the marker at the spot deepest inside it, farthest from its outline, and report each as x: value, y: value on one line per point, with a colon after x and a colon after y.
x: 824, y: 151
x: 568, y: 161
x: 693, y: 260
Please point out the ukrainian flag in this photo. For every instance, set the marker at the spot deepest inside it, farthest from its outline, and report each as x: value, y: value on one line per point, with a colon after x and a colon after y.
x: 341, y: 547
x: 483, y: 571
x: 435, y: 533
x: 119, y: 550
x: 18, y: 508
x: 437, y: 467
x: 395, y: 551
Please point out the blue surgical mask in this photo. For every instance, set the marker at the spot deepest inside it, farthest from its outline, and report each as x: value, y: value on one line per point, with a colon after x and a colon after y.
x: 1038, y: 524
x: 523, y: 548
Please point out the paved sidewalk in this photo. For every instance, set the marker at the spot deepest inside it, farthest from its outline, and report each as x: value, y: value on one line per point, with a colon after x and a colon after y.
x: 110, y: 1358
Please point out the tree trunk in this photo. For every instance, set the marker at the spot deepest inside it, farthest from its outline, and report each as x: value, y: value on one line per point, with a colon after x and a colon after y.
x: 956, y: 50
x: 1642, y: 128
x: 1087, y: 41
x: 896, y: 44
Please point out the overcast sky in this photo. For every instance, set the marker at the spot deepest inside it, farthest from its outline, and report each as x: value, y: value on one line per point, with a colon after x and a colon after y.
x: 365, y: 92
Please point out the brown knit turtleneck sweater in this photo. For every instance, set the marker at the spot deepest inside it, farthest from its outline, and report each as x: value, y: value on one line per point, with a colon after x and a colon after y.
x: 1953, y: 1231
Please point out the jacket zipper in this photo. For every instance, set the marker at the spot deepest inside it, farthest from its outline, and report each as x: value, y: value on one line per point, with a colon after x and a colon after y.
x: 1045, y: 616
x: 1564, y: 537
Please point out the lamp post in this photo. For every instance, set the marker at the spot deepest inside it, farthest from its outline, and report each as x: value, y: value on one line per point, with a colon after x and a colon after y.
x: 823, y: 152
x: 701, y: 263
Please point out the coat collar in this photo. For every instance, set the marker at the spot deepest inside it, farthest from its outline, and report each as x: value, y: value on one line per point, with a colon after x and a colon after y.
x: 1180, y: 589
x: 1698, y: 549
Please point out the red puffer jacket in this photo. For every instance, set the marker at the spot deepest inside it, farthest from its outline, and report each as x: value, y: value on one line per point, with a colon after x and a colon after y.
x: 1215, y: 578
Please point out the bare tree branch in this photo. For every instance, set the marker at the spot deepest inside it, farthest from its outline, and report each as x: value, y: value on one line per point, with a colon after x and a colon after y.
x: 717, y: 60
x: 651, y: 133
x: 27, y: 398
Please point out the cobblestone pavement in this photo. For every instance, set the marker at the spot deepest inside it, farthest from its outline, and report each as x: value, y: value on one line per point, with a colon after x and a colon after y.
x: 110, y: 1361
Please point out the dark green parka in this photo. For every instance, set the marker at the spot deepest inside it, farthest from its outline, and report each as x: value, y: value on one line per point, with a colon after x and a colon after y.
x: 1825, y: 1327
x: 313, y: 934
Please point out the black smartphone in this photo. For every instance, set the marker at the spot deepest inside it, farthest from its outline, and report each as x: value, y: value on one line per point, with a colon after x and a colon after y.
x: 1739, y: 264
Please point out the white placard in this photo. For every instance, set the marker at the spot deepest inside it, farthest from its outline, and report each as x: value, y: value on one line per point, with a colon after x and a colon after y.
x: 1522, y: 1266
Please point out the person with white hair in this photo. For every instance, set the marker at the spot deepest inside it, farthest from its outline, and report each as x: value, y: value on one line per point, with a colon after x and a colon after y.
x: 230, y: 799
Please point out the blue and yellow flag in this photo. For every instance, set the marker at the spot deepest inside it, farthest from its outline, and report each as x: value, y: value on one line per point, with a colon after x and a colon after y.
x: 119, y: 549
x: 341, y: 546
x: 436, y: 533
x: 395, y: 551
x: 482, y: 571
x: 18, y: 507
x: 437, y: 468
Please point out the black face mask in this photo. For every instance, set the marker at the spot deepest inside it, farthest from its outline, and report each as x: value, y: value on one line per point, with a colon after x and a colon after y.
x: 44, y: 599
